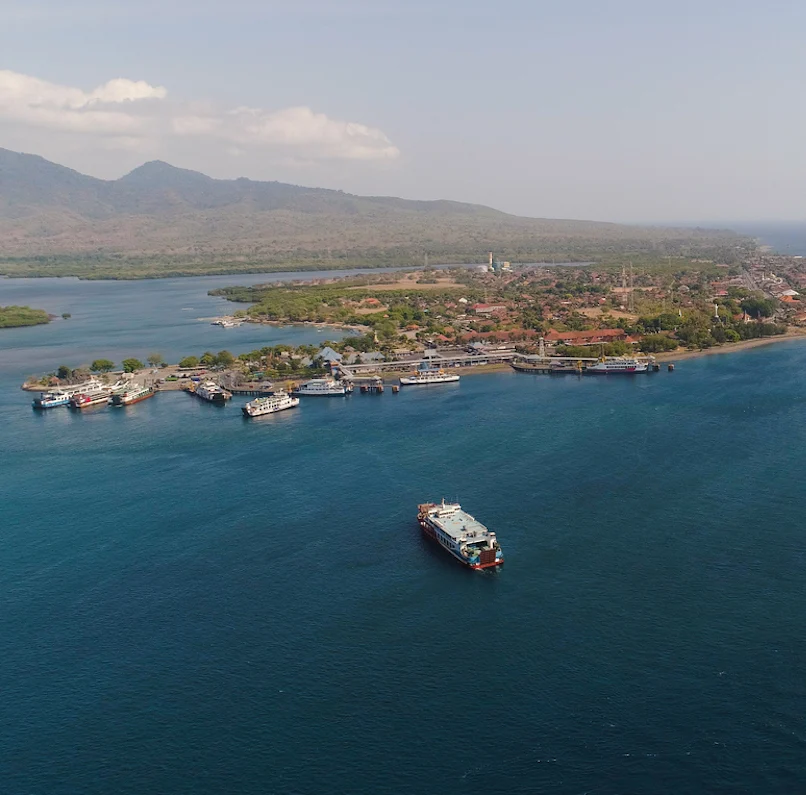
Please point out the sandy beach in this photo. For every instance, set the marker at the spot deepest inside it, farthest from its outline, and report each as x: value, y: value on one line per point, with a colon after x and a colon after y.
x: 731, y: 347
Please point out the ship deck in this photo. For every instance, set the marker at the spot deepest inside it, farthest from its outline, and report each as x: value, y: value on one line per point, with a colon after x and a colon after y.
x: 459, y: 524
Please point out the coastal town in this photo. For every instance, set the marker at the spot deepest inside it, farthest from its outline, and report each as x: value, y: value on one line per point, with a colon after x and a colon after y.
x: 548, y: 319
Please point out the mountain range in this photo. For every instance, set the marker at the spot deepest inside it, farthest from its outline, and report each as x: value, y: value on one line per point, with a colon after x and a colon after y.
x: 54, y: 217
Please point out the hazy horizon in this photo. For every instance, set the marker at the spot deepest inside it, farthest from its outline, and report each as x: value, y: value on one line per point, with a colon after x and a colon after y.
x: 620, y: 113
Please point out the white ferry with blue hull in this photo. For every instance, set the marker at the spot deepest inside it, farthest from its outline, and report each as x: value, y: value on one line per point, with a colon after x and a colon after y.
x: 52, y: 399
x: 460, y: 534
x: 61, y: 396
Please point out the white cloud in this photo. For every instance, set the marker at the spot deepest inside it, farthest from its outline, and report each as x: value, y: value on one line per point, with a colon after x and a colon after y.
x: 295, y: 129
x: 38, y: 103
x: 138, y: 115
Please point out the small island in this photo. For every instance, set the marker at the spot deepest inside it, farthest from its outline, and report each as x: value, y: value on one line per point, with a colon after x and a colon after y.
x: 16, y: 316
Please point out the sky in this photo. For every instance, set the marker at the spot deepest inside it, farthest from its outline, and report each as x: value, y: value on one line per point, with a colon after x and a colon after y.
x: 614, y: 110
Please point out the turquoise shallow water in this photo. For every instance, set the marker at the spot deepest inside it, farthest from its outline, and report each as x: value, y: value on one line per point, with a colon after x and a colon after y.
x: 194, y: 603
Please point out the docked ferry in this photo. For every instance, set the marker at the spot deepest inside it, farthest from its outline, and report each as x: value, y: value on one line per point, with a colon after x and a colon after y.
x: 212, y: 392
x: 49, y: 400
x: 279, y: 401
x: 425, y: 375
x: 623, y: 364
x: 132, y: 394
x: 60, y: 396
x: 463, y: 536
x: 93, y: 396
x: 323, y: 387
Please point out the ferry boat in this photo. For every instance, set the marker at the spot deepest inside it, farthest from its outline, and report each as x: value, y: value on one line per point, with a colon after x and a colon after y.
x: 323, y: 387
x: 279, y: 401
x: 463, y: 536
x: 622, y: 364
x: 60, y: 396
x: 95, y: 396
x: 132, y: 394
x: 425, y: 375
x: 49, y: 400
x: 212, y: 392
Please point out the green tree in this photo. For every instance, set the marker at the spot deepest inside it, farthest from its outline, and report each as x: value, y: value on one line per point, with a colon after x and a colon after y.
x: 102, y: 366
x: 656, y: 343
x: 386, y: 330
x: 207, y: 359
x: 189, y: 361
x: 64, y: 372
x: 155, y: 360
x: 130, y: 365
x: 224, y: 359
x: 758, y: 307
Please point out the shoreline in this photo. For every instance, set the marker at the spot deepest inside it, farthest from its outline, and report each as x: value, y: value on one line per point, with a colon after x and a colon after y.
x: 730, y: 347
x: 669, y: 356
x: 309, y: 323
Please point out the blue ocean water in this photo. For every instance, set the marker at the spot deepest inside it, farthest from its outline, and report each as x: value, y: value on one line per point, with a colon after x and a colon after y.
x: 194, y: 603
x: 784, y: 237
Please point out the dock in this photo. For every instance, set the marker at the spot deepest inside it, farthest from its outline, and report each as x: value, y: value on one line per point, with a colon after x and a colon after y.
x: 251, y: 391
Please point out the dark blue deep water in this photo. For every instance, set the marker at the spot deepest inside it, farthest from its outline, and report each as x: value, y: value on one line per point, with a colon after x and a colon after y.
x: 191, y: 603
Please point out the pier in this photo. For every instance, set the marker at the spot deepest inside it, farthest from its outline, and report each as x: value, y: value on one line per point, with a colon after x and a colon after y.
x: 251, y: 391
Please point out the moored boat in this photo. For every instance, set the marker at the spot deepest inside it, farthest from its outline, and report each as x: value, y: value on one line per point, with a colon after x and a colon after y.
x: 60, y: 396
x: 460, y: 534
x: 323, y: 387
x: 427, y: 375
x: 132, y: 394
x: 211, y: 392
x: 49, y: 400
x: 270, y: 404
x: 625, y: 365
x: 95, y: 396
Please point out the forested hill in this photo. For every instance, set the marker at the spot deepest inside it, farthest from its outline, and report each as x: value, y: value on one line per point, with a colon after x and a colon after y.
x: 167, y: 219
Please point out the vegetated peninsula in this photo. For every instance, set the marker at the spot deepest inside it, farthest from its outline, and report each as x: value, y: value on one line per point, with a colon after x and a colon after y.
x: 15, y: 316
x: 163, y: 221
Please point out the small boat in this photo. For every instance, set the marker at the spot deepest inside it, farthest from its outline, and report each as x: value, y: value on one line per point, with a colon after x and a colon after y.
x: 624, y: 365
x: 226, y: 323
x: 132, y: 394
x: 271, y: 404
x: 460, y: 534
x: 323, y: 387
x: 427, y: 375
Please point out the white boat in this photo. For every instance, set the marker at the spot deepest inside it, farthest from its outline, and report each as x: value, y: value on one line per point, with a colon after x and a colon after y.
x: 271, y: 404
x: 97, y: 394
x: 426, y: 375
x: 60, y: 396
x: 49, y: 400
x: 211, y: 392
x: 625, y: 365
x: 322, y: 387
x: 225, y: 323
x: 460, y: 534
